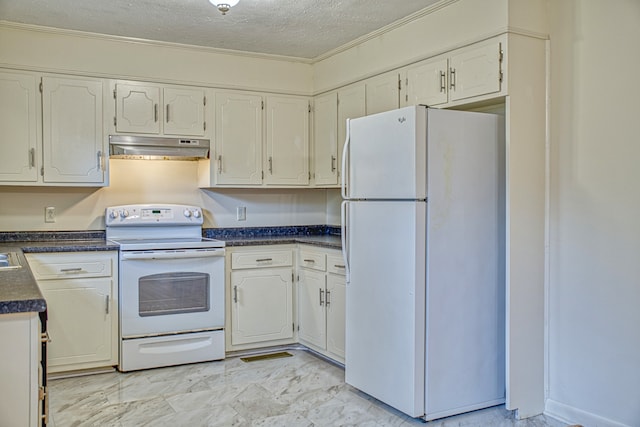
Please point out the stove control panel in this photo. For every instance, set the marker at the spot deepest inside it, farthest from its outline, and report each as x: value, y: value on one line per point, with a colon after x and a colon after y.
x: 157, y: 215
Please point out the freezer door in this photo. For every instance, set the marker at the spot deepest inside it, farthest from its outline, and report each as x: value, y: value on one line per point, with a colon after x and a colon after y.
x: 385, y: 323
x: 387, y: 156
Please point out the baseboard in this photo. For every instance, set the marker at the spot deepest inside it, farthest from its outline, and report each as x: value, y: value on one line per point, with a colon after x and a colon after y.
x: 570, y: 415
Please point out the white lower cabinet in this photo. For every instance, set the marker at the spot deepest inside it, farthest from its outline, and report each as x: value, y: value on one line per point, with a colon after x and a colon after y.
x: 260, y: 300
x: 81, y: 293
x: 19, y: 370
x: 321, y: 301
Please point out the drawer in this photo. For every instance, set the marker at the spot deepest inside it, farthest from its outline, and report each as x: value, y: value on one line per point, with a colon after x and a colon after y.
x: 69, y: 265
x: 261, y: 259
x: 313, y: 260
x: 335, y: 264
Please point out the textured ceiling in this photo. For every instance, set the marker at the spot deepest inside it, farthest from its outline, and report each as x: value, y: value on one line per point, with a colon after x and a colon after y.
x: 297, y: 28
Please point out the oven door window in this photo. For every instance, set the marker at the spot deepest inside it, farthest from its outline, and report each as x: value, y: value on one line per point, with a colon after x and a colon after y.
x: 173, y: 293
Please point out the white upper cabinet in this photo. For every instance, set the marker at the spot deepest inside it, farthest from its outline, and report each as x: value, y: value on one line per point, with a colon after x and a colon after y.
x: 325, y: 140
x: 19, y: 106
x: 73, y: 135
x: 237, y: 157
x: 286, y: 159
x: 160, y: 110
x: 475, y: 71
x: 469, y: 74
x: 184, y: 111
x: 382, y: 93
x: 259, y: 141
x: 53, y: 138
x: 427, y: 83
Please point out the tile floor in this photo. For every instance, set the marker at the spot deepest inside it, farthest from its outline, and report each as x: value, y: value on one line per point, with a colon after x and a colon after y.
x: 302, y: 390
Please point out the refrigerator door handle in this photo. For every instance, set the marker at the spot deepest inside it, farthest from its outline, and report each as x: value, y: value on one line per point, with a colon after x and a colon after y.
x: 345, y: 150
x: 343, y: 237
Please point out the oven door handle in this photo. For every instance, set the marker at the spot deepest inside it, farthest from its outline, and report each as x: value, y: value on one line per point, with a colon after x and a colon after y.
x: 148, y: 255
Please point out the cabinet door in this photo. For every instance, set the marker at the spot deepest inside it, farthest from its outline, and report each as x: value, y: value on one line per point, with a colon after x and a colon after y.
x: 382, y: 93
x: 261, y: 305
x: 80, y: 320
x: 475, y: 72
x: 351, y: 105
x: 238, y: 139
x: 18, y: 121
x: 184, y: 112
x: 427, y: 83
x: 335, y: 301
x: 73, y: 136
x: 137, y: 108
x: 325, y: 139
x: 287, y: 142
x: 311, y: 308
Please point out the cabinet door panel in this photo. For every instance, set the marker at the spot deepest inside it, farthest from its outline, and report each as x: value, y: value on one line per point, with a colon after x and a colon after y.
x: 325, y: 139
x: 184, y: 112
x: 336, y: 295
x: 351, y: 105
x: 238, y: 139
x: 73, y: 137
x: 18, y: 121
x: 79, y: 320
x: 287, y: 144
x: 427, y: 83
x: 383, y: 93
x: 311, y: 308
x: 262, y: 305
x: 476, y: 72
x: 137, y: 109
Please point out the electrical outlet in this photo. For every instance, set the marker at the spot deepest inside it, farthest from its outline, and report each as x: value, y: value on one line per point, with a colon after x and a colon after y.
x: 50, y: 214
x: 241, y: 213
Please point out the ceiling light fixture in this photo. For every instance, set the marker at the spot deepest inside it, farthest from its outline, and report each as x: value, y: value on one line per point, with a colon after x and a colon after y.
x: 224, y: 5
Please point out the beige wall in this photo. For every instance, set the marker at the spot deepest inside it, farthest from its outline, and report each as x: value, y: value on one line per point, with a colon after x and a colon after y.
x: 594, y: 274
x: 140, y: 181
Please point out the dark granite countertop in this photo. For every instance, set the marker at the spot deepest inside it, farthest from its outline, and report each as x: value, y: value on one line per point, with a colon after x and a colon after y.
x: 326, y: 241
x: 19, y: 291
x: 319, y: 235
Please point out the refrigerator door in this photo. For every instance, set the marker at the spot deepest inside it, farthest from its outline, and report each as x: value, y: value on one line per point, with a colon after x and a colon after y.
x: 385, y: 312
x: 387, y: 155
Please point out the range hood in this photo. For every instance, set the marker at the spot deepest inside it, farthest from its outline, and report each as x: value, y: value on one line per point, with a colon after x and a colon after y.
x: 157, y: 148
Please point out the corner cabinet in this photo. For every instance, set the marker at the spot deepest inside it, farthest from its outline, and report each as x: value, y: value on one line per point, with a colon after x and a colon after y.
x: 321, y: 301
x: 144, y: 108
x: 260, y: 297
x: 331, y: 113
x: 81, y: 291
x: 57, y: 136
x: 464, y: 75
x: 260, y: 141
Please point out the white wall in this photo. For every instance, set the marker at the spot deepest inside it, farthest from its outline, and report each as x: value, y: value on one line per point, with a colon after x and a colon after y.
x: 594, y: 301
x: 141, y: 181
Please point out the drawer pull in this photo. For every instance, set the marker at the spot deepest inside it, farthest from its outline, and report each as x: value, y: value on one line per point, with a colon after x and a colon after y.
x: 321, y: 296
x: 71, y: 270
x: 264, y: 259
x: 338, y: 265
x: 328, y: 300
x: 235, y: 294
x: 310, y: 260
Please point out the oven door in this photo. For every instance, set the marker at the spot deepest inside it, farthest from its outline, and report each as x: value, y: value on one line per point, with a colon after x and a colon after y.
x: 171, y: 291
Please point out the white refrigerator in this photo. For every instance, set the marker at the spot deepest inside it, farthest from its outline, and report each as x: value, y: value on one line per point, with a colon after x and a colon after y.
x: 423, y: 229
